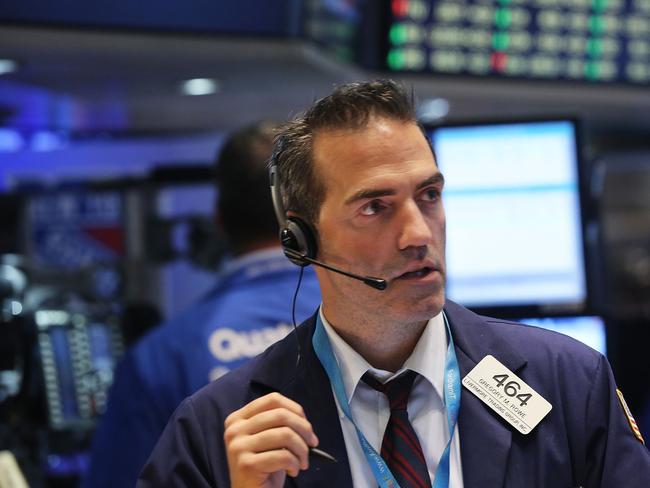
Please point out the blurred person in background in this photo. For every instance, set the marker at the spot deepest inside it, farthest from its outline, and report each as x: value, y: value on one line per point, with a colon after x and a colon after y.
x: 248, y: 309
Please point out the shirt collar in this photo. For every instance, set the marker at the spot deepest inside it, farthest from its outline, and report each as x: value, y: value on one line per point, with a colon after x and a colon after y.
x: 427, y: 358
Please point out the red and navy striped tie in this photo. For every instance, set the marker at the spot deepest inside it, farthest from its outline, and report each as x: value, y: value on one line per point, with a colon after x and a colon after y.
x: 400, y: 447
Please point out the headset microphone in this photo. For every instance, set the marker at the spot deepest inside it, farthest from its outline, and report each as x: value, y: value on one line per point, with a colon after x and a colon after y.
x: 376, y: 283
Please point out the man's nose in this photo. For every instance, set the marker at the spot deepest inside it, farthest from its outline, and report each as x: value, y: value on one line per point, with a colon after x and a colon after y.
x: 414, y: 228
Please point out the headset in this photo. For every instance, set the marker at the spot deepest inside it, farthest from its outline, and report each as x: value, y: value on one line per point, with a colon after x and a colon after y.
x: 297, y: 238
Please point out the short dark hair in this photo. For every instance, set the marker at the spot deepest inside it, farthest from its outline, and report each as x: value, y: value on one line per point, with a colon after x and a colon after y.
x: 243, y: 199
x: 349, y: 106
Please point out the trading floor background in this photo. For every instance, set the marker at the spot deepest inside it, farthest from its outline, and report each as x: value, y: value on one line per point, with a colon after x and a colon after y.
x: 111, y: 114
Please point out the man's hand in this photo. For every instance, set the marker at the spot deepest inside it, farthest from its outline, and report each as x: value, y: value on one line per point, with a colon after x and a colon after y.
x: 266, y: 440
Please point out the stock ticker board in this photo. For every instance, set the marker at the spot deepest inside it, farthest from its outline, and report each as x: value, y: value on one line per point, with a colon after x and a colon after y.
x: 583, y: 40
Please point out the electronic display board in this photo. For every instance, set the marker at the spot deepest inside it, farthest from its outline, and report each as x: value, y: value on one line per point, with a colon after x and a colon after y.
x: 582, y: 40
x: 247, y: 17
x: 78, y: 354
x: 75, y: 228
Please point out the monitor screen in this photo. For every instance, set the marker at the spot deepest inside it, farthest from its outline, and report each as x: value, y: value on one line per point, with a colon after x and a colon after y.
x: 589, y: 330
x: 514, y: 228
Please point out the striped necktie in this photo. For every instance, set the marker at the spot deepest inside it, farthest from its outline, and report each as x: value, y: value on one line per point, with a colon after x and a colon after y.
x: 400, y: 447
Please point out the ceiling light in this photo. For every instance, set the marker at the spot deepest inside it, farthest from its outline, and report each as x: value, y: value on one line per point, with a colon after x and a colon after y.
x: 10, y: 140
x: 200, y: 86
x: 45, y: 141
x: 7, y: 66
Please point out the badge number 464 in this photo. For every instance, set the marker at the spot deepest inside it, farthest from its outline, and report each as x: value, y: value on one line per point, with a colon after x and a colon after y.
x: 511, y: 388
x: 507, y: 394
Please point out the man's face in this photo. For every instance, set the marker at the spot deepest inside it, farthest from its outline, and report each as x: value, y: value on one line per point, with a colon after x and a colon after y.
x: 382, y: 216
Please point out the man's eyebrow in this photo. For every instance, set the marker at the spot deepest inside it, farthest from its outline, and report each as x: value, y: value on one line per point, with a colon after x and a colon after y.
x: 437, y: 178
x: 369, y: 194
x: 383, y: 192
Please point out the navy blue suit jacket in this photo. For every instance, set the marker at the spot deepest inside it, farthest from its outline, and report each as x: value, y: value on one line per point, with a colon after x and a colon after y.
x: 584, y: 441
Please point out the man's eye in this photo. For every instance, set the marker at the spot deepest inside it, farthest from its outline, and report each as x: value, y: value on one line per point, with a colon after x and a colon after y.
x: 372, y: 208
x: 431, y: 194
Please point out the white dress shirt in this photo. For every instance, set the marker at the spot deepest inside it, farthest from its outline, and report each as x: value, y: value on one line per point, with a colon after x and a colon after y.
x: 370, y: 409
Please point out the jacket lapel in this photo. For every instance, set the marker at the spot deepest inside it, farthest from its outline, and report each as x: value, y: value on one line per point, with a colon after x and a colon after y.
x: 485, y: 438
x: 308, y: 385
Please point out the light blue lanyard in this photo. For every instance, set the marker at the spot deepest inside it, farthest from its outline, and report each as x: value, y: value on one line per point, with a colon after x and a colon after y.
x: 380, y: 470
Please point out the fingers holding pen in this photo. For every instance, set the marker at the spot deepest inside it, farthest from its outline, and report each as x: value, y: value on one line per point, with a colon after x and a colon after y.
x: 269, y: 412
x: 263, y: 404
x: 269, y: 435
x: 276, y: 430
x: 277, y: 445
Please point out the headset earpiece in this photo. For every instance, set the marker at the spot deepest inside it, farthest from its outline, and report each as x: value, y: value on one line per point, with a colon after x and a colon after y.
x: 296, y: 236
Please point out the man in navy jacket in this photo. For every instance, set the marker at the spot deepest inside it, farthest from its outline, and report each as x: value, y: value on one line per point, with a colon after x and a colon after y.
x: 362, y: 193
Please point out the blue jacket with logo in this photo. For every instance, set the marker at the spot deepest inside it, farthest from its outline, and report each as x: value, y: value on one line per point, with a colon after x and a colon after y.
x: 249, y: 309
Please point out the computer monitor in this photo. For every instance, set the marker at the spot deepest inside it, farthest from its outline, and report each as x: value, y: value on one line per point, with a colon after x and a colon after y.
x: 514, y: 226
x: 589, y: 329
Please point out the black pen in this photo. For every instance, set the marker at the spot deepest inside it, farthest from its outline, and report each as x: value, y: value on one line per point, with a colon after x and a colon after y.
x: 322, y: 454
